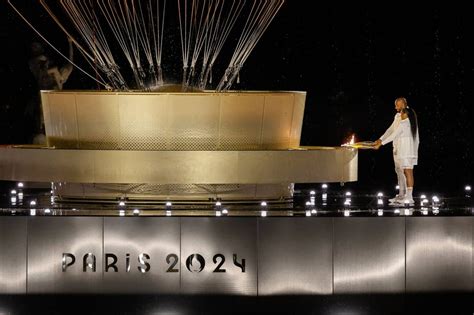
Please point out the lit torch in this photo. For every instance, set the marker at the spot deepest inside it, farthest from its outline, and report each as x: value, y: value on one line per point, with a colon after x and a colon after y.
x: 350, y: 143
x: 359, y: 145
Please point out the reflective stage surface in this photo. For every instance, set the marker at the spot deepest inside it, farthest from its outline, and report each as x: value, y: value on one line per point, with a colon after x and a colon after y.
x: 316, y: 200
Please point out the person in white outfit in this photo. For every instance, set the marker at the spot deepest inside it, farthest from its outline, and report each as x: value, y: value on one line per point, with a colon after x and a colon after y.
x: 405, y: 137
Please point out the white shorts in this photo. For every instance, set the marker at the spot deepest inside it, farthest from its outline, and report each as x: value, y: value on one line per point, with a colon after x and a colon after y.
x: 407, y: 163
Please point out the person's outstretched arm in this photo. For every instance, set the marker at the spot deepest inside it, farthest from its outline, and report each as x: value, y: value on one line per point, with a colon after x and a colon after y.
x: 71, y: 50
x: 396, y: 132
x: 57, y: 77
x: 65, y: 71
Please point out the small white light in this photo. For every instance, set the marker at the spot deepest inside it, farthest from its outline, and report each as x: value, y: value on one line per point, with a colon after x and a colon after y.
x: 168, y: 213
x: 347, y: 213
x: 314, y: 211
x: 348, y: 193
x: 48, y: 211
x: 425, y: 201
x: 32, y: 203
x: 308, y: 213
x: 325, y: 186
x: 121, y: 203
x: 397, y: 187
x: 218, y: 213
x: 32, y: 211
x: 380, y: 213
x: 407, y: 212
x: 435, y: 199
x: 218, y: 204
x: 225, y: 211
x: 13, y: 192
x: 467, y: 188
x: 423, y: 196
x: 20, y: 184
x: 263, y: 213
x: 424, y: 212
x: 435, y: 211
x: 13, y: 199
x: 312, y: 193
x: 122, y: 213
x: 20, y: 195
x: 347, y: 202
x: 263, y: 204
x: 136, y: 211
x: 380, y: 202
x: 168, y: 204
x: 380, y: 194
x: 325, y: 196
x: 397, y: 211
x: 74, y: 209
x: 308, y: 203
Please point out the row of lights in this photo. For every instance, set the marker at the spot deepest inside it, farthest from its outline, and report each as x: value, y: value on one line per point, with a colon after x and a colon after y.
x: 263, y: 204
x: 408, y: 212
x: 380, y: 202
x: 263, y: 213
x: 312, y: 193
x: 168, y: 205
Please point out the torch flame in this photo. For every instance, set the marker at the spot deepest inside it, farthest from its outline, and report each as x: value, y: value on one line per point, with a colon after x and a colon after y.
x: 350, y: 143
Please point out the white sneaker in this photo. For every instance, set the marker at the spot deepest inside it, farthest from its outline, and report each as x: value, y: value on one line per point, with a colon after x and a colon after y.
x: 405, y: 202
x: 396, y: 199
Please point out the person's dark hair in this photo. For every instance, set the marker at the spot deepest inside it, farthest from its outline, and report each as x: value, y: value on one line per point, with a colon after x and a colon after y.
x: 413, y: 120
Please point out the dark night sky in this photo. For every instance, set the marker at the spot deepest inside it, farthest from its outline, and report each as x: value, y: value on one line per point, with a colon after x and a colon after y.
x: 352, y: 61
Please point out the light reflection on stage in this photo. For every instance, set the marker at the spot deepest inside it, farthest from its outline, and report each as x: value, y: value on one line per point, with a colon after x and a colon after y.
x: 318, y: 201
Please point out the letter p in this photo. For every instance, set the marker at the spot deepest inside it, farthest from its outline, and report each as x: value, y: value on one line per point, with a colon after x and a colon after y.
x: 65, y: 262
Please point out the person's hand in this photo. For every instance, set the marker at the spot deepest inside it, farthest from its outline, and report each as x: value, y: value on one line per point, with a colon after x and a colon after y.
x: 377, y: 145
x: 378, y: 142
x: 69, y: 39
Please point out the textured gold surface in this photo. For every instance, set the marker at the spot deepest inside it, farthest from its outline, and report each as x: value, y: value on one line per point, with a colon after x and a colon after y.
x: 173, y: 121
x: 179, y: 167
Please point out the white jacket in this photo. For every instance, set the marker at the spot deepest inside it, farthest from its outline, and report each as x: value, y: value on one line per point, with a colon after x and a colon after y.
x: 405, y: 146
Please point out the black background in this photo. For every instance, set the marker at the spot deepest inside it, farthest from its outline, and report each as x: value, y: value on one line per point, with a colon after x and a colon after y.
x: 353, y: 61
